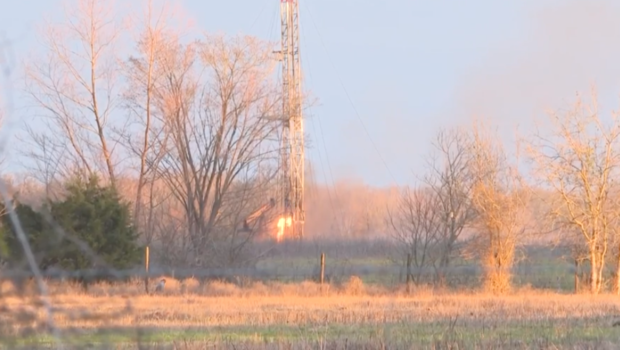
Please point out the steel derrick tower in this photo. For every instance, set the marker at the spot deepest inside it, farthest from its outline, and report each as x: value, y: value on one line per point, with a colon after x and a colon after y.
x: 292, y: 155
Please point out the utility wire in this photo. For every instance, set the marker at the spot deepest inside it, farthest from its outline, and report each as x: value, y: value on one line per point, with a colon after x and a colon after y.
x: 330, y: 185
x: 348, y: 96
x: 273, y: 23
x: 259, y: 15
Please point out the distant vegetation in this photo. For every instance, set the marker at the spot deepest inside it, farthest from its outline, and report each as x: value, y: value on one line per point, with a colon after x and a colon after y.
x: 93, y: 220
x: 181, y: 137
x: 172, y: 144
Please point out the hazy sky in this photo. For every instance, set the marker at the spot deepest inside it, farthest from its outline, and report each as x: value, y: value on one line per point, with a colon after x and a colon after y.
x: 412, y: 66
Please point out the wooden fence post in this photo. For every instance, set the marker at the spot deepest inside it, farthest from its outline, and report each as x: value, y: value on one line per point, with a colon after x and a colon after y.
x: 322, y: 276
x: 577, y: 263
x: 146, y: 268
x: 408, y: 280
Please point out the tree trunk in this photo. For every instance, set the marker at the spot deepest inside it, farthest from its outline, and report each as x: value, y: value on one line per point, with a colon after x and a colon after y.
x: 617, y: 281
x: 594, y: 272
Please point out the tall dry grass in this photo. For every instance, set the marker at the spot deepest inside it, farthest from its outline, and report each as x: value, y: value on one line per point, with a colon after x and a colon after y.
x: 190, y: 303
x: 191, y: 286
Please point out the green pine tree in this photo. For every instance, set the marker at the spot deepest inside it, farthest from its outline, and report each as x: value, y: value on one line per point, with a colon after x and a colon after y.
x: 42, y: 244
x: 92, y: 213
x: 98, y: 216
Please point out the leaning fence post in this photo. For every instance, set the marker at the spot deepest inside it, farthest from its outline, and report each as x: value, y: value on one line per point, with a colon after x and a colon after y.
x: 322, y: 276
x: 146, y: 268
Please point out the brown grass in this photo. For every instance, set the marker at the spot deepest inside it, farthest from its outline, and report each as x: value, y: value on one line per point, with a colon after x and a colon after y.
x: 189, y: 303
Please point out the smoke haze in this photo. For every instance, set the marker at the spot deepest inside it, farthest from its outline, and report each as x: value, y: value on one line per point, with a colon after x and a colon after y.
x: 565, y: 49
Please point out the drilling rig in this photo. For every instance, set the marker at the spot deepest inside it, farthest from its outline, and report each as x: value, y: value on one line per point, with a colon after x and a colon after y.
x: 291, y: 175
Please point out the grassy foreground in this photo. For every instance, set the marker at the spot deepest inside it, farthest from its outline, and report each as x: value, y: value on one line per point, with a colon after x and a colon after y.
x: 306, y: 316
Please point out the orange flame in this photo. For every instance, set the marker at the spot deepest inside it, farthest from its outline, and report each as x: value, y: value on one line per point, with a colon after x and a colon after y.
x: 282, y: 223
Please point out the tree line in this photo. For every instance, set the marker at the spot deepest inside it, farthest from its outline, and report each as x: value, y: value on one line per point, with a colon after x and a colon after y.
x: 173, y: 142
x: 476, y: 194
x: 186, y: 130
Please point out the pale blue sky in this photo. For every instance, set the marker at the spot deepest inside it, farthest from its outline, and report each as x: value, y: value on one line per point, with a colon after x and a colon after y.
x: 411, y: 66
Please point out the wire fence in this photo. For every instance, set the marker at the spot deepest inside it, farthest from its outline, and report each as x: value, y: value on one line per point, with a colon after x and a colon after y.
x: 553, y: 272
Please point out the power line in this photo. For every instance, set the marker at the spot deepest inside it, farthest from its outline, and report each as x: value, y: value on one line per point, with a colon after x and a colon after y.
x: 349, y: 97
x: 329, y: 185
x: 273, y: 22
x: 259, y: 15
x: 327, y: 180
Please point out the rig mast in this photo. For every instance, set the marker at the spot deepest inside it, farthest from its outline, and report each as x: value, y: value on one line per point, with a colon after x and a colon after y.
x: 292, y: 148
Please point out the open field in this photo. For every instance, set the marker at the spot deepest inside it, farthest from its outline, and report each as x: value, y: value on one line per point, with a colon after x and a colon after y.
x: 306, y: 316
x: 276, y: 306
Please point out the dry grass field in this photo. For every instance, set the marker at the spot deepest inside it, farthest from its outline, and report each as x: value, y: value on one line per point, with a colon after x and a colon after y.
x: 213, y: 315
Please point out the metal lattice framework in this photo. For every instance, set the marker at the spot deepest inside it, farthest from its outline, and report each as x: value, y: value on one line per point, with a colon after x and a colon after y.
x: 292, y: 154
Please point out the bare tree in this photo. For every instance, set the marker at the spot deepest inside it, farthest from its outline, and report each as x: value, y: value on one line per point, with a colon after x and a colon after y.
x: 161, y: 223
x: 45, y: 161
x: 414, y: 223
x: 142, y: 72
x: 500, y: 199
x: 451, y: 179
x: 579, y: 160
x: 74, y: 85
x: 217, y: 102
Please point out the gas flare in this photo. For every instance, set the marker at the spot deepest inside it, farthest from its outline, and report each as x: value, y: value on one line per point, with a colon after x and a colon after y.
x: 283, y: 222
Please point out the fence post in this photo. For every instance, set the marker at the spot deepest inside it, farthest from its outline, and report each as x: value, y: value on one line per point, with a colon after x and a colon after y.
x: 146, y: 268
x: 577, y: 275
x: 322, y: 276
x: 408, y: 279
